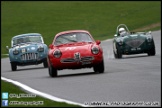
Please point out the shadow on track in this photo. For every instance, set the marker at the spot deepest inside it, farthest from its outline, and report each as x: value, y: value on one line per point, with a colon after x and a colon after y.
x: 133, y: 56
x: 77, y: 74
x: 35, y: 68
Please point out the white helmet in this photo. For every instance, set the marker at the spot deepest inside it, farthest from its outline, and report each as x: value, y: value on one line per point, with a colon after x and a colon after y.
x: 122, y: 31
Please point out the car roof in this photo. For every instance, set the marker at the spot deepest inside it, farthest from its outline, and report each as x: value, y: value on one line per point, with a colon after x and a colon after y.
x: 70, y: 31
x: 28, y: 34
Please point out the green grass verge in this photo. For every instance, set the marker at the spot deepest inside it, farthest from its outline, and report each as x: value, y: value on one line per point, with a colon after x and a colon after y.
x: 50, y: 17
x: 4, y: 56
x: 12, y: 89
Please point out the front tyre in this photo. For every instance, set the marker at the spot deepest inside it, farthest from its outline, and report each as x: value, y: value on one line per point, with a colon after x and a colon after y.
x: 119, y: 53
x: 52, y: 71
x: 99, y: 67
x: 115, y: 50
x: 152, y: 51
x: 13, y: 66
x: 115, y: 55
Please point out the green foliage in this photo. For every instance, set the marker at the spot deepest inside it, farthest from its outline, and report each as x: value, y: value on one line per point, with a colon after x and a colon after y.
x: 50, y: 17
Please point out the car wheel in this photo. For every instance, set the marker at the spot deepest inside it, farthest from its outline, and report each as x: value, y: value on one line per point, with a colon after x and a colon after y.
x: 119, y: 54
x: 115, y: 50
x: 45, y: 64
x: 99, y: 68
x: 152, y: 51
x: 52, y: 71
x: 13, y: 66
x: 115, y: 55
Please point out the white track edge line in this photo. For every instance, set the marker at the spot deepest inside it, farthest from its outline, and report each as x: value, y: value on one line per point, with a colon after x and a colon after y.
x: 41, y: 93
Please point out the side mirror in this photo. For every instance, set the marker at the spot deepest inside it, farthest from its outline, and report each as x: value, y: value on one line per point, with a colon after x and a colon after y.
x: 98, y: 42
x: 51, y: 46
x: 7, y: 47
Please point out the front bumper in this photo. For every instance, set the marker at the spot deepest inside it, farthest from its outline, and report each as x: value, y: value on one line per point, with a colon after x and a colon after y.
x: 30, y: 62
x: 71, y: 63
x: 28, y: 58
x: 143, y: 48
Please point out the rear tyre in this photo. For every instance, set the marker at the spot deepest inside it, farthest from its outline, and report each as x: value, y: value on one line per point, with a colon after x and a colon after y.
x: 99, y: 68
x: 13, y: 66
x: 52, y: 71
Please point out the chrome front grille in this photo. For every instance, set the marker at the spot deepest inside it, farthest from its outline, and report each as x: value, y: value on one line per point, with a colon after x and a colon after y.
x: 87, y: 58
x: 68, y: 60
x: 135, y: 43
x: 71, y: 60
x: 29, y: 56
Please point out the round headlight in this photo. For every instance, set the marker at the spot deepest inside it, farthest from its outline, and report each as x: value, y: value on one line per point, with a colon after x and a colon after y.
x: 95, y: 50
x: 40, y: 49
x: 57, y: 53
x: 120, y: 42
x: 149, y: 38
x: 15, y: 51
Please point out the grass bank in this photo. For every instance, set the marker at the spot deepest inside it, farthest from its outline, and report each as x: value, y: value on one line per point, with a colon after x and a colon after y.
x: 99, y: 17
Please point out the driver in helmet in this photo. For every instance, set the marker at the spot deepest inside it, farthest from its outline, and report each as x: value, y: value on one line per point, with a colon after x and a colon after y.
x: 122, y: 32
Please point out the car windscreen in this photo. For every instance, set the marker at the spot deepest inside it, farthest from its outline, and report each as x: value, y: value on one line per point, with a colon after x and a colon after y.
x: 72, y: 37
x: 27, y: 39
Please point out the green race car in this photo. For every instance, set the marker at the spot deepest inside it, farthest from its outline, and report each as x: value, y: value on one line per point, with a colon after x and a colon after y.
x: 126, y: 42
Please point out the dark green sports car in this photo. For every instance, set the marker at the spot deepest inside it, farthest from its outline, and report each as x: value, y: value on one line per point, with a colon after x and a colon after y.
x: 126, y: 42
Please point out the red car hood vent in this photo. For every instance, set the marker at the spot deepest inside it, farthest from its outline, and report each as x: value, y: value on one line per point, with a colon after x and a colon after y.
x: 76, y: 47
x: 68, y: 51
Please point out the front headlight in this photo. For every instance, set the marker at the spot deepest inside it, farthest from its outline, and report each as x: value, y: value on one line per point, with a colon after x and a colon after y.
x: 95, y: 50
x: 57, y: 53
x: 40, y: 49
x: 15, y: 51
x: 120, y: 41
x: 149, y: 38
x: 23, y: 50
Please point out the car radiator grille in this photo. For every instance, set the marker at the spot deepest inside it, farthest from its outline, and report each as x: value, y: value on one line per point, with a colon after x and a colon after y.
x: 29, y: 56
x: 87, y: 58
x: 71, y: 60
x: 135, y: 43
x: 68, y: 60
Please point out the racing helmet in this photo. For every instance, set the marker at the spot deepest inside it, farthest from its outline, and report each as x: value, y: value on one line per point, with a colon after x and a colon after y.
x: 122, y: 31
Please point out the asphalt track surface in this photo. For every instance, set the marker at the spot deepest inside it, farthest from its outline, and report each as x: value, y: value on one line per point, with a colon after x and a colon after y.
x: 134, y: 78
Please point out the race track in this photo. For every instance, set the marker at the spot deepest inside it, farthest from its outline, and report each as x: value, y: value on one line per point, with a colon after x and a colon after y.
x: 133, y: 78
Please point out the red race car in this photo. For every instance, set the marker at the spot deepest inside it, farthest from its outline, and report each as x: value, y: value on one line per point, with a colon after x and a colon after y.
x: 74, y: 49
